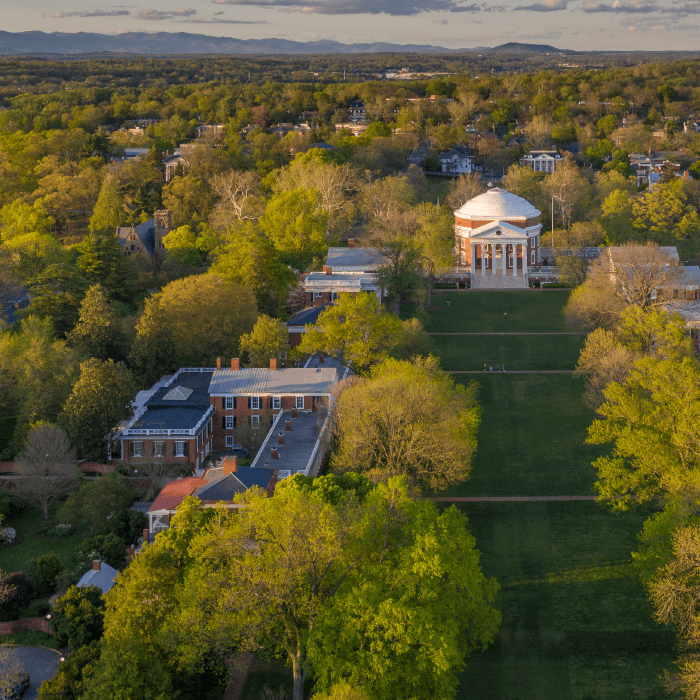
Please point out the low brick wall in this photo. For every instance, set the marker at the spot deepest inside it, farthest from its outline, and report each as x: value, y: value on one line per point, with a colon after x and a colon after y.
x: 41, y: 624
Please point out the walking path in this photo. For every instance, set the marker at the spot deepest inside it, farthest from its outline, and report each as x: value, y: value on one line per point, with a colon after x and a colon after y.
x: 514, y: 333
x: 507, y: 499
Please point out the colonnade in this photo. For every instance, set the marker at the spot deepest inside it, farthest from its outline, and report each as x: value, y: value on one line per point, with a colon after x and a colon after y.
x: 491, y: 248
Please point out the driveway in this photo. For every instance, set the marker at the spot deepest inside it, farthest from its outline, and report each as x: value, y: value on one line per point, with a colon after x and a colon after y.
x: 41, y: 665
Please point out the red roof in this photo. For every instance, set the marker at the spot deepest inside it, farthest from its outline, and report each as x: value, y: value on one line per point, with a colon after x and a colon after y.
x: 174, y: 493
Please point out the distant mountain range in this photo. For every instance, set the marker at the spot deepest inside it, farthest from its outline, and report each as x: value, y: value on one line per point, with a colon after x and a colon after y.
x: 41, y: 43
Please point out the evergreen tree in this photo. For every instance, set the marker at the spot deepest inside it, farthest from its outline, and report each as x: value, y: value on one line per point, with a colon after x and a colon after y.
x: 98, y: 332
x: 153, y: 351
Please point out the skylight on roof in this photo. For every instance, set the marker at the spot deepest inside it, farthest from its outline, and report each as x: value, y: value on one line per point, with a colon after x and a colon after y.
x: 179, y: 393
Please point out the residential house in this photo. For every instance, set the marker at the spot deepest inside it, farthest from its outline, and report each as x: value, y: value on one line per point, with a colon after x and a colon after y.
x: 296, y: 326
x: 418, y: 155
x: 101, y: 575
x: 457, y: 161
x: 357, y: 111
x: 356, y: 129
x: 541, y: 161
x: 173, y: 162
x: 649, y: 167
x: 147, y: 239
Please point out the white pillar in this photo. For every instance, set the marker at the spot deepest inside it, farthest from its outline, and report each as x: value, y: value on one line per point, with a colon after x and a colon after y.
x: 526, y: 252
x: 473, y: 257
x: 483, y: 258
x: 515, y: 259
x: 504, y: 258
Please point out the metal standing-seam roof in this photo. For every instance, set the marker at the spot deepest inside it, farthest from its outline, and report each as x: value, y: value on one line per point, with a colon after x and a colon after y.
x: 102, y: 578
x: 290, y: 381
x: 354, y: 259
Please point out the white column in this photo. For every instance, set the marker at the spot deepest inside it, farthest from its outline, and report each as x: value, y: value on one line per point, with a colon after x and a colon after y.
x: 473, y: 257
x: 483, y: 258
x: 504, y: 259
x: 526, y: 252
x: 515, y: 259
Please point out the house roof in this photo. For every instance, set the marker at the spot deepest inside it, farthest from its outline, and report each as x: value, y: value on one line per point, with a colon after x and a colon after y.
x: 220, y: 487
x: 174, y: 492
x: 145, y: 233
x: 496, y: 230
x: 102, y: 578
x: 309, y: 315
x: 266, y: 382
x: 497, y: 204
x: 169, y: 418
x: 354, y: 259
x: 340, y: 281
x: 186, y: 389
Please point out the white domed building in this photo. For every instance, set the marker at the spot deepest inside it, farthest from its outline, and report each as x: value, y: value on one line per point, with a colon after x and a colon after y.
x: 497, y: 237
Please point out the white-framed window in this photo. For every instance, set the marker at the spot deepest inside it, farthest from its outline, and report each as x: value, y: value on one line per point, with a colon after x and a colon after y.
x: 159, y: 448
x: 532, y: 258
x: 462, y: 243
x: 229, y: 441
x: 255, y: 420
x: 228, y: 402
x: 318, y: 295
x: 255, y: 403
x: 463, y: 258
x: 511, y: 261
x: 334, y: 296
x: 137, y: 448
x: 179, y: 448
x: 229, y: 422
x: 276, y: 402
x: 299, y: 402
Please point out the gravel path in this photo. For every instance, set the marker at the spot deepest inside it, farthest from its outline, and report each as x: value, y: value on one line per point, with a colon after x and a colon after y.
x: 41, y: 664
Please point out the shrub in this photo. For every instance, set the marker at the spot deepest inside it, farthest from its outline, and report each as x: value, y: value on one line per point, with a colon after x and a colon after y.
x: 78, y: 616
x: 19, y: 598
x: 9, y: 504
x: 128, y: 525
x: 70, y: 680
x: 108, y: 548
x: 37, y: 608
x: 43, y: 572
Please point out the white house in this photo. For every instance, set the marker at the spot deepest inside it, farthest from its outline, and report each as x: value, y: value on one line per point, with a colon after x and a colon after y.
x: 542, y: 161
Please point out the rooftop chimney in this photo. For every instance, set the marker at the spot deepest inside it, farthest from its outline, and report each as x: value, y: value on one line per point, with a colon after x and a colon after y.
x: 96, y: 565
x: 218, y: 363
x: 280, y: 439
x: 287, y: 425
x: 235, y: 364
x: 327, y: 270
x: 294, y: 413
x: 351, y: 242
x: 145, y: 535
x: 273, y: 364
x: 273, y: 452
x: 230, y: 465
x: 322, y: 359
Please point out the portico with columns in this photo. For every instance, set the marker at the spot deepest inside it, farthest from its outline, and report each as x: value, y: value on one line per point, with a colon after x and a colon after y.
x: 497, y: 238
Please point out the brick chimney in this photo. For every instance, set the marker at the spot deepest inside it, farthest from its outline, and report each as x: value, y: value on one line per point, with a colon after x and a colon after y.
x: 351, y: 242
x: 294, y: 413
x: 327, y: 270
x: 230, y: 465
x: 322, y: 359
x: 145, y: 535
x: 287, y: 425
x: 273, y: 364
x: 280, y: 439
x: 235, y: 364
x: 273, y: 453
x: 218, y: 363
x: 96, y: 565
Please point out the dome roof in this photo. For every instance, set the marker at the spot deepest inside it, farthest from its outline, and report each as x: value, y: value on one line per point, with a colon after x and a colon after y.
x: 497, y: 204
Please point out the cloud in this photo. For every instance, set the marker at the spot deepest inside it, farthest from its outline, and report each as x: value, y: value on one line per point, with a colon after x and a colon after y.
x: 91, y: 13
x: 636, y: 7
x: 216, y: 20
x: 364, y: 7
x: 166, y: 14
x: 220, y: 12
x: 545, y: 6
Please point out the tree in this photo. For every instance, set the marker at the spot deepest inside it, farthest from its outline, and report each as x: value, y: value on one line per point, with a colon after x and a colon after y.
x: 247, y: 258
x: 47, y: 468
x: 408, y: 419
x: 43, y: 572
x: 206, y: 316
x: 189, y: 199
x: 616, y: 218
x: 107, y: 548
x: 294, y: 225
x: 19, y: 218
x: 102, y: 262
x: 268, y: 339
x: 652, y: 420
x: 109, y: 211
x: 435, y: 241
x: 415, y: 342
x: 240, y: 197
x: 100, y: 399
x: 568, y: 187
x: 95, y: 502
x: 78, y: 617
x: 72, y: 676
x: 29, y: 254
x: 342, y: 691
x: 328, y: 556
x: 9, y: 668
x: 153, y: 350
x: 56, y: 295
x: 98, y: 332
x: 183, y: 248
x: 576, y: 249
x: 356, y: 330
x: 655, y: 332
x: 464, y: 188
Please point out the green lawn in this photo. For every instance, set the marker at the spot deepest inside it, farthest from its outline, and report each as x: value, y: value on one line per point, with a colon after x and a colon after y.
x: 576, y: 624
x: 482, y: 312
x: 530, y: 442
x: 471, y: 352
x: 27, y: 523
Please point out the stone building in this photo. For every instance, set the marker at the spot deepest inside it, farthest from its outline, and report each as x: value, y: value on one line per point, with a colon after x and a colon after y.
x: 147, y: 239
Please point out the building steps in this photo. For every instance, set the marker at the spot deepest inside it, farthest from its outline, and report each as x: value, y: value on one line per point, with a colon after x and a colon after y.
x: 499, y: 282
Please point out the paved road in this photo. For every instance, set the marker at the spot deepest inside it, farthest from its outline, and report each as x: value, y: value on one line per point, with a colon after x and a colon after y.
x: 41, y: 665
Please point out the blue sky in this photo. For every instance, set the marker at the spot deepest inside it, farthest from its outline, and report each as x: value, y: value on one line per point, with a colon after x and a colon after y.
x: 572, y: 24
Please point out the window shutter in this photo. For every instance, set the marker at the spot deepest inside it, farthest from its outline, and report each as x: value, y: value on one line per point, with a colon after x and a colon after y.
x: 153, y: 448
x: 270, y: 402
x: 234, y: 421
x: 131, y: 448
x: 234, y: 402
x: 224, y: 423
x: 187, y: 444
x: 250, y: 402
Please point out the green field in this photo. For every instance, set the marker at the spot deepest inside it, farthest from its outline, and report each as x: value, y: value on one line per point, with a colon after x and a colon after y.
x: 533, y: 311
x: 539, y: 352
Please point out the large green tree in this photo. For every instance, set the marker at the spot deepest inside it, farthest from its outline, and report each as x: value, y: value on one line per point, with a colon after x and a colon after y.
x: 267, y: 340
x: 100, y: 399
x: 153, y: 350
